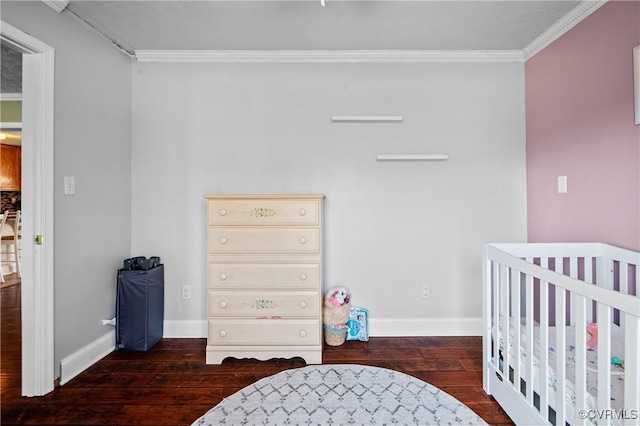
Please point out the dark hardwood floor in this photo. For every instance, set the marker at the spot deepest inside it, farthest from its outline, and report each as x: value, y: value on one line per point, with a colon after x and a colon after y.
x: 171, y: 384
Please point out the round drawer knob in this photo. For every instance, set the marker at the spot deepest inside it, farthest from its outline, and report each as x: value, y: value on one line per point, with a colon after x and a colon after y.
x: 303, y: 240
x: 223, y: 240
x: 303, y: 276
x: 302, y: 212
x: 223, y: 304
x: 223, y: 212
x: 303, y: 333
x: 223, y: 333
x: 223, y: 277
x: 303, y: 304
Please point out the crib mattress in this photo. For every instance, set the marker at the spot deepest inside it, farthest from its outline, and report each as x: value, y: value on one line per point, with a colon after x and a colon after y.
x: 617, y: 377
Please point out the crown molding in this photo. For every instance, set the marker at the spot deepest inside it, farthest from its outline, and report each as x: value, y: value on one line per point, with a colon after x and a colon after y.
x: 328, y: 56
x: 568, y: 21
x: 57, y: 5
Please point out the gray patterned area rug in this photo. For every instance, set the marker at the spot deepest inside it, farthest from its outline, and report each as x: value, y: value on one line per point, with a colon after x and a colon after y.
x: 337, y: 395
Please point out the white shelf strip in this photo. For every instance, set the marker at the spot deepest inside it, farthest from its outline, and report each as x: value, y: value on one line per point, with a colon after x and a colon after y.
x: 412, y: 157
x: 366, y: 118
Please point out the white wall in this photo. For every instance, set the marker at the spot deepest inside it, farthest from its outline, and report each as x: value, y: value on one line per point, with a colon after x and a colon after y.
x: 390, y: 227
x: 92, y: 142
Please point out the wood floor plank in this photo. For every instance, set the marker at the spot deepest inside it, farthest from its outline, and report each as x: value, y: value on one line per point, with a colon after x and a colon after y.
x: 109, y: 380
x: 151, y: 396
x: 169, y: 415
x: 172, y: 385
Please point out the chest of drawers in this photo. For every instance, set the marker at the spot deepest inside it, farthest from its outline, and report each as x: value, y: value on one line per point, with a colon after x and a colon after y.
x: 265, y: 277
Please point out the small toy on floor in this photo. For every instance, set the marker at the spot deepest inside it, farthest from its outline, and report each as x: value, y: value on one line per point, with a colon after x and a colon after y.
x: 335, y: 315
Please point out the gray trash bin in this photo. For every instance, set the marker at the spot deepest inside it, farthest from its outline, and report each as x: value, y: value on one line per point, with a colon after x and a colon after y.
x: 139, y: 308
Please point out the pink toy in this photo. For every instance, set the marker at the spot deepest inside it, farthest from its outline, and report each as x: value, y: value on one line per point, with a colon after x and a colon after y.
x: 592, y: 329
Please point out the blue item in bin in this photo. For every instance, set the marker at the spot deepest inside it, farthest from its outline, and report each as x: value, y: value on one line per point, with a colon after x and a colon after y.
x: 358, y: 324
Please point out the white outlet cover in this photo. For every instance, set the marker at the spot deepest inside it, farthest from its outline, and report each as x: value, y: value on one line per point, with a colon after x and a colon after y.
x: 69, y: 185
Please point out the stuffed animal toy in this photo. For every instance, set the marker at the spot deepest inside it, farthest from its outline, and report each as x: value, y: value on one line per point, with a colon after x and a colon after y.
x: 592, y: 330
x: 336, y: 306
x: 336, y: 314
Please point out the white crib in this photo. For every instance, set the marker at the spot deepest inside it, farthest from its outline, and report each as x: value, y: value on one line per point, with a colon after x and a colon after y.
x: 543, y: 296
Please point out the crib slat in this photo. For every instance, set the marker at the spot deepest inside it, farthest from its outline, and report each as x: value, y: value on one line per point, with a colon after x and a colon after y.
x: 604, y: 357
x: 624, y: 278
x: 561, y: 354
x: 529, y: 327
x: 624, y: 286
x: 544, y: 344
x: 604, y: 270
x: 486, y: 320
x: 631, y: 368
x: 588, y: 278
x: 495, y: 285
x: 573, y: 273
x: 588, y: 269
x: 504, y: 309
x: 515, y: 285
x: 581, y: 357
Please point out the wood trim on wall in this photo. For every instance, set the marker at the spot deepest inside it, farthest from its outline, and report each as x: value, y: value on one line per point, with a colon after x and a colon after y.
x: 37, y: 206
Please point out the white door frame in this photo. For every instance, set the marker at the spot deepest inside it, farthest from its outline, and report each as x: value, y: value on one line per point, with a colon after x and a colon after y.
x: 37, y: 205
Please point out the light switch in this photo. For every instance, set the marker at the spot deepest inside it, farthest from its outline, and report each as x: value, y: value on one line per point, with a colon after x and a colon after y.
x: 69, y: 185
x: 562, y: 184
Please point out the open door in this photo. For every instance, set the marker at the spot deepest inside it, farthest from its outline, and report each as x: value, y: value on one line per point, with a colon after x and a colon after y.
x: 37, y: 207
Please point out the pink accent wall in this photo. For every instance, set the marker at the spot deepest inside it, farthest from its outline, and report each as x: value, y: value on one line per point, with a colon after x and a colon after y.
x: 580, y: 124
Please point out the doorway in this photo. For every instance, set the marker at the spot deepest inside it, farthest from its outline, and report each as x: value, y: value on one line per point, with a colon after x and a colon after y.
x: 10, y: 154
x: 37, y: 204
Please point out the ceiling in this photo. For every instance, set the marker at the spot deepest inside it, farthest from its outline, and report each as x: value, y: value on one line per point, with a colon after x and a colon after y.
x: 427, y: 25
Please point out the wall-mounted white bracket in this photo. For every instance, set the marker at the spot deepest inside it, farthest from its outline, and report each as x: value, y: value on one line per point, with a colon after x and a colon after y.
x: 366, y: 118
x: 412, y: 157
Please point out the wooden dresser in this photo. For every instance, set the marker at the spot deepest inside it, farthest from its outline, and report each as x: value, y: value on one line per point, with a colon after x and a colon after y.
x: 265, y: 277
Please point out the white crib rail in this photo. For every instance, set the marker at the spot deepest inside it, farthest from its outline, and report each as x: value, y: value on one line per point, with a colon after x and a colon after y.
x: 632, y: 369
x: 510, y: 276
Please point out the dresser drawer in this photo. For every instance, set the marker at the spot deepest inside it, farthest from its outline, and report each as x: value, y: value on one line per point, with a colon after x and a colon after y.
x: 237, y: 240
x: 264, y: 275
x: 263, y: 303
x: 263, y: 212
x: 264, y: 332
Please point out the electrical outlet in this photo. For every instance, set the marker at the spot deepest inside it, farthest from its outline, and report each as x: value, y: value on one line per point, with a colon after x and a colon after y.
x: 69, y: 185
x: 186, y: 292
x: 426, y: 291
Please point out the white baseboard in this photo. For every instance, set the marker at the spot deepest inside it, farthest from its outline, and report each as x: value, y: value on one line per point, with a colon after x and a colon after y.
x: 184, y: 329
x: 425, y: 327
x: 383, y: 327
x: 79, y: 361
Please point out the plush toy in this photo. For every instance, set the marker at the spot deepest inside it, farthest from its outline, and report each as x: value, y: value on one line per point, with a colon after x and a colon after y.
x: 336, y: 306
x: 336, y: 314
x: 592, y: 330
x: 615, y: 361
